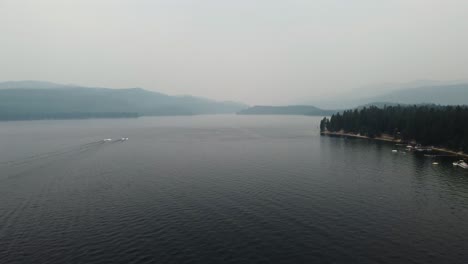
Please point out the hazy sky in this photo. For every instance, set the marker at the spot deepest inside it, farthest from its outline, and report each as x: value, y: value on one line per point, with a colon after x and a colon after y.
x: 254, y: 51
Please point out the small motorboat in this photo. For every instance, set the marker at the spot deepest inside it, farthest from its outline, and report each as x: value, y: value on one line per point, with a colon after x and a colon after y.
x: 394, y: 151
x: 107, y: 140
x: 435, y: 163
x: 461, y: 164
x: 124, y: 139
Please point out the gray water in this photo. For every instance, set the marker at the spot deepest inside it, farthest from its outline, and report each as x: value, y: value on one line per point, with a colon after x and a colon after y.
x: 222, y: 189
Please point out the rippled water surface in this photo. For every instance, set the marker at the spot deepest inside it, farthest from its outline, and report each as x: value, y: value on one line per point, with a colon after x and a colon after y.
x: 222, y: 189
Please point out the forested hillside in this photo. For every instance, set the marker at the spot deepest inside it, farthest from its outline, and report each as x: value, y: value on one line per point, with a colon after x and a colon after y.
x: 431, y: 125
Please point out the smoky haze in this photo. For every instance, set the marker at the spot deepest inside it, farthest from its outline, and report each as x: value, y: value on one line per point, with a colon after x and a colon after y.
x: 257, y: 52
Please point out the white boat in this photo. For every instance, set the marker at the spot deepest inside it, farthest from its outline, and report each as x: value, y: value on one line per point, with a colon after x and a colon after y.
x: 461, y: 164
x: 394, y: 151
x: 124, y: 139
x: 107, y: 140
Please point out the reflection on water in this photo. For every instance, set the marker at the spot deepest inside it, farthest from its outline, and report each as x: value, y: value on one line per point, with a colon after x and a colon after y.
x: 222, y: 189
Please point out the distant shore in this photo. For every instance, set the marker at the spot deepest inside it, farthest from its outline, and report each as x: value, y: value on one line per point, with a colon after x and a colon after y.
x: 388, y: 138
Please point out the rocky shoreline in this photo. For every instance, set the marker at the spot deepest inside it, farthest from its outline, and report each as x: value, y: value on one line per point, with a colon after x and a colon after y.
x: 388, y: 138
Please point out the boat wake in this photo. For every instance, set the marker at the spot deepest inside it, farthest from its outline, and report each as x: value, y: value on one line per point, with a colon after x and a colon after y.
x: 12, y: 168
x: 67, y: 150
x: 51, y: 154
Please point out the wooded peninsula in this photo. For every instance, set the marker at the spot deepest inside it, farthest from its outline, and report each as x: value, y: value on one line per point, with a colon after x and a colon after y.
x: 441, y: 126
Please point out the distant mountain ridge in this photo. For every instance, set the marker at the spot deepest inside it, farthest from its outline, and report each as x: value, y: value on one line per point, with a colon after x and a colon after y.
x: 286, y: 110
x: 40, y: 100
x: 418, y: 92
x: 456, y: 94
x: 33, y: 85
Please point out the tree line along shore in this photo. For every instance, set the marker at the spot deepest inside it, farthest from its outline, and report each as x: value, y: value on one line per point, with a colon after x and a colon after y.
x: 444, y: 127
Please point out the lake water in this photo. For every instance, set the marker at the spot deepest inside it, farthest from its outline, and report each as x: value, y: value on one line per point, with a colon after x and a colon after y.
x: 222, y: 189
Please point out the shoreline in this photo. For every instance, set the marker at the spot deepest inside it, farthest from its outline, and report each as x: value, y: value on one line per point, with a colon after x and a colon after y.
x: 390, y: 139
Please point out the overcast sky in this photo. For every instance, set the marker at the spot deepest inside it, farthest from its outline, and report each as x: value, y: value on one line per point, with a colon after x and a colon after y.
x: 254, y: 51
